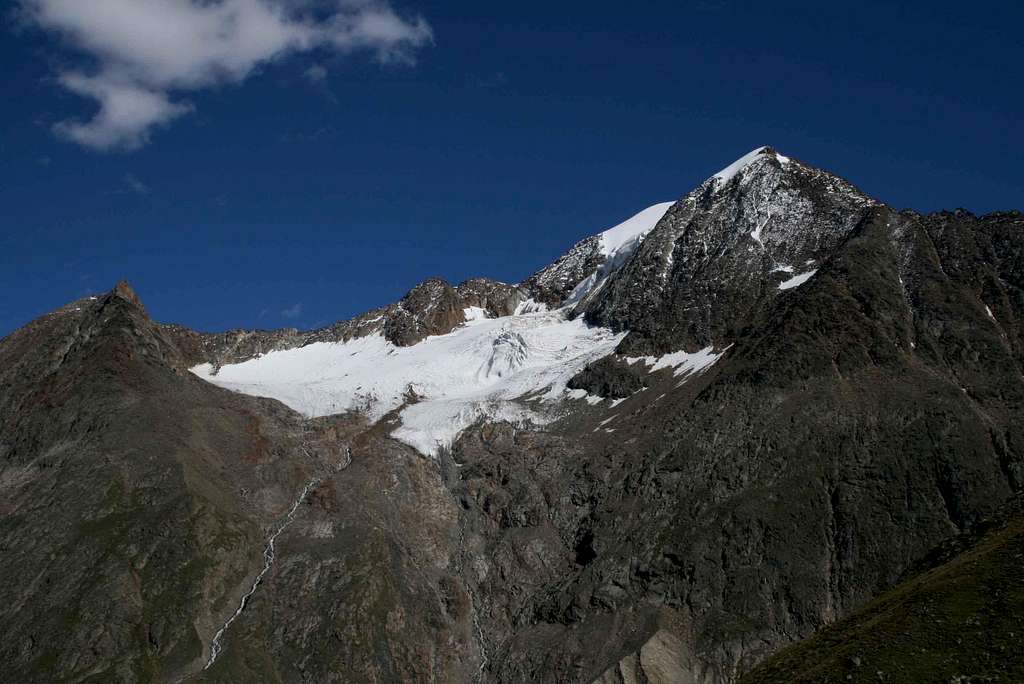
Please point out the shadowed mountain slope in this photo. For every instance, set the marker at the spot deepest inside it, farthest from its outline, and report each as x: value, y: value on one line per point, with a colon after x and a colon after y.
x: 959, y: 618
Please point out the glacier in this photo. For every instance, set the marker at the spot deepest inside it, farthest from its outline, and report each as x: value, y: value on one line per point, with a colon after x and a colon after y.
x: 442, y: 385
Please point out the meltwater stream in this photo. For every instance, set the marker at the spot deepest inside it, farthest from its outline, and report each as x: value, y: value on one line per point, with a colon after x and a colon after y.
x: 268, y: 560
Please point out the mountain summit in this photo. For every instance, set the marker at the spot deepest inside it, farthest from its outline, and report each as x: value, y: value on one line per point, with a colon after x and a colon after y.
x: 698, y: 437
x: 726, y: 249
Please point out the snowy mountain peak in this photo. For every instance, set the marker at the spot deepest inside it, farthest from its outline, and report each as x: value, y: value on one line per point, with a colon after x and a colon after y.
x: 732, y: 170
x: 720, y: 253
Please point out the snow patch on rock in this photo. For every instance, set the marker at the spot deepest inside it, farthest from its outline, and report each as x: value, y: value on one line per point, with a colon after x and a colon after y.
x: 797, y: 280
x: 683, y: 362
x: 627, y: 234
x: 592, y: 399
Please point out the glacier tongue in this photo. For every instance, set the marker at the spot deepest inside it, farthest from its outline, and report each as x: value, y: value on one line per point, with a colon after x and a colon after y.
x: 476, y: 371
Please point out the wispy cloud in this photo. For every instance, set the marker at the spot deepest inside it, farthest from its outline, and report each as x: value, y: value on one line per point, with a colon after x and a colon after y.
x: 293, y: 311
x: 316, y: 74
x: 128, y: 111
x: 148, y: 54
x: 131, y: 183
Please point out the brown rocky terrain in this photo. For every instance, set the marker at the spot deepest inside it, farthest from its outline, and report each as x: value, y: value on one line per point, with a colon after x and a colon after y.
x: 137, y: 503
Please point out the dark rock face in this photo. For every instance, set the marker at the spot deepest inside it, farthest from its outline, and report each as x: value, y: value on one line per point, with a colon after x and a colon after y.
x: 858, y: 421
x: 610, y: 378
x: 430, y: 308
x: 552, y: 284
x: 95, y: 514
x: 721, y: 252
x: 497, y: 299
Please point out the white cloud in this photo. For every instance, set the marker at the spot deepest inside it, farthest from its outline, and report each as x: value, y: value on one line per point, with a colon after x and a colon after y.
x: 293, y: 311
x: 127, y: 112
x: 147, y: 53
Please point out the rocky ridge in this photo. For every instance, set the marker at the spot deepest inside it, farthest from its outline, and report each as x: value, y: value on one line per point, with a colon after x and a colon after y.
x: 431, y: 308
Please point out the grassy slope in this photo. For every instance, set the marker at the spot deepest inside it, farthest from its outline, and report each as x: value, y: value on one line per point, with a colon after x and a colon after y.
x: 962, y: 621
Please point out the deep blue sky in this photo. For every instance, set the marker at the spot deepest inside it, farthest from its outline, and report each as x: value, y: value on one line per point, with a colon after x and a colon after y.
x: 525, y: 127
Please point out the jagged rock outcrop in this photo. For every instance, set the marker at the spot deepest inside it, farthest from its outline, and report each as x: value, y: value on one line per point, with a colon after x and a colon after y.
x: 431, y: 308
x: 663, y: 659
x: 552, y: 284
x: 610, y: 377
x: 436, y: 308
x: 496, y: 298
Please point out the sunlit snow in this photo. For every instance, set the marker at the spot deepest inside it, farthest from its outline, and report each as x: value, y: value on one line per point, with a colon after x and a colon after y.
x: 797, y: 280
x: 730, y: 171
x: 626, y: 234
x: 683, y: 362
x: 475, y: 371
x: 617, y: 245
